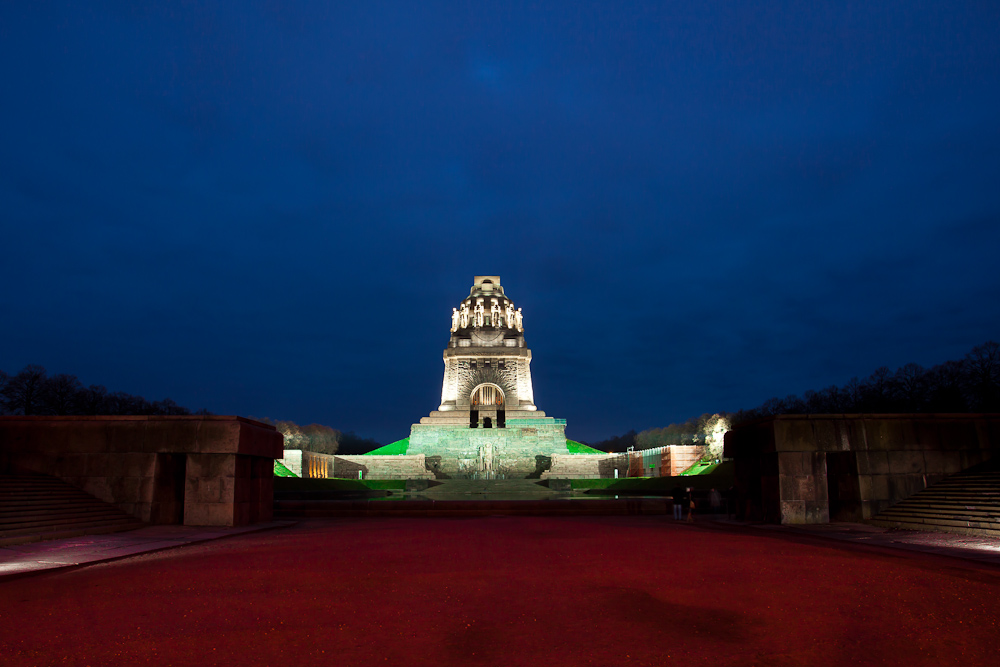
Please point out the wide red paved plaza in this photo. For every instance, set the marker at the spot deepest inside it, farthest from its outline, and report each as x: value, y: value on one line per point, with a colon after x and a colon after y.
x: 508, y: 591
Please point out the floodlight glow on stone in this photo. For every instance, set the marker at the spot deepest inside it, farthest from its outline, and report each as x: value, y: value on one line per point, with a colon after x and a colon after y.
x: 487, y: 424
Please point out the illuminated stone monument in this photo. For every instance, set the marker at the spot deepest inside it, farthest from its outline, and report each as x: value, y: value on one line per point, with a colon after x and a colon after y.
x: 487, y: 425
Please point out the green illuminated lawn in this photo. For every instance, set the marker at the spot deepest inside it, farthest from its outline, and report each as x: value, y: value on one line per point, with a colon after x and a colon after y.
x: 281, y: 471
x: 575, y: 447
x: 392, y: 449
x: 701, y: 468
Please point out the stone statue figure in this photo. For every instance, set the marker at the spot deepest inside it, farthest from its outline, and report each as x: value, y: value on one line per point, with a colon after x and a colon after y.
x: 464, y: 315
x: 509, y: 315
x: 486, y: 458
x: 454, y: 320
x: 494, y: 314
x: 519, y: 320
x: 479, y: 314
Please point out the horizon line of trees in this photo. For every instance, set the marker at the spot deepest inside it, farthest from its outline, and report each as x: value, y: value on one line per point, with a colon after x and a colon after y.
x: 33, y: 392
x: 970, y: 384
x: 320, y: 439
x: 694, y: 431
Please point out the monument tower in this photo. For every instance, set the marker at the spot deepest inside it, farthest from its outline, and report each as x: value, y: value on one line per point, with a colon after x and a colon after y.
x: 486, y: 366
x: 487, y: 423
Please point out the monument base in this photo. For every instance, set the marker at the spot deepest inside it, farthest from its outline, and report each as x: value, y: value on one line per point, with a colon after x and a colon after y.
x: 522, y: 449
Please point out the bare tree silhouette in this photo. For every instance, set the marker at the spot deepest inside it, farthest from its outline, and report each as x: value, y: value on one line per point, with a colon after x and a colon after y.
x: 32, y: 392
x: 971, y: 384
x: 22, y: 393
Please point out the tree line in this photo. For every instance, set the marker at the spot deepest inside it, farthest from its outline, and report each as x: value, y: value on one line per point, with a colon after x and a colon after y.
x: 703, y: 430
x: 311, y: 438
x: 320, y: 439
x: 970, y: 384
x: 33, y: 392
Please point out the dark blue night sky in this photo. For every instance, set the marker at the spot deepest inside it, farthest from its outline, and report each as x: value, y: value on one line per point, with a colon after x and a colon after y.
x: 270, y: 209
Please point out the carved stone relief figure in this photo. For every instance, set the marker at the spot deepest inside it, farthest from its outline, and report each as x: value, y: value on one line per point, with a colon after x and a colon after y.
x: 519, y: 320
x: 465, y: 315
x: 494, y: 314
x: 509, y: 315
x: 454, y: 320
x: 487, y: 458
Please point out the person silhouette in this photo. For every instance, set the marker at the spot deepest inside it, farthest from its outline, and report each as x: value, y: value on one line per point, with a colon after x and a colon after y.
x: 678, y: 495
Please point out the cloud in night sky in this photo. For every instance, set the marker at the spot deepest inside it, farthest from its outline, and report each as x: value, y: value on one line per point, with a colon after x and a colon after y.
x: 270, y: 208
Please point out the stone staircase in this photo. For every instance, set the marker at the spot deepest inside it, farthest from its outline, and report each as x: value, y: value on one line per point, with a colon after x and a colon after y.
x: 967, y: 503
x: 467, y: 498
x: 41, y: 507
x: 481, y: 489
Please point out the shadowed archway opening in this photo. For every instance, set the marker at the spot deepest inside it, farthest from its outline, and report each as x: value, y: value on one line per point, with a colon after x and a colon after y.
x: 487, y: 397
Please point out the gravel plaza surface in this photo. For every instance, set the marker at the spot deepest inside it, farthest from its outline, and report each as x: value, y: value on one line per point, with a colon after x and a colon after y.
x: 535, y: 590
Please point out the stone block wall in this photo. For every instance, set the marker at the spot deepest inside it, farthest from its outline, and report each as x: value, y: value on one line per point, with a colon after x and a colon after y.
x: 678, y: 458
x: 307, y: 464
x: 194, y: 470
x: 228, y: 490
x: 318, y: 466
x: 586, y: 466
x: 404, y: 466
x: 657, y: 462
x: 292, y: 459
x: 802, y: 483
x: 666, y: 461
x: 814, y: 468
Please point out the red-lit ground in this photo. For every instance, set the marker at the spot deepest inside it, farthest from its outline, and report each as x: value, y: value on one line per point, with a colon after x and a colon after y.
x: 507, y: 591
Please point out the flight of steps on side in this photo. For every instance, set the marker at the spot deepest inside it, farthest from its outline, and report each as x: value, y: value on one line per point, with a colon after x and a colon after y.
x: 468, y: 498
x: 41, y: 507
x: 472, y: 489
x: 966, y: 503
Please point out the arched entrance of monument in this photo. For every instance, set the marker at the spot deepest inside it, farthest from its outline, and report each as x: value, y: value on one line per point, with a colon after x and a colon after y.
x: 487, y: 401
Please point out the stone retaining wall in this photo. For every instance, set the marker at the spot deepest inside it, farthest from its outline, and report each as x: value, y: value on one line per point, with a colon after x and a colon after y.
x: 308, y: 464
x: 679, y: 458
x: 404, y: 466
x: 586, y: 466
x: 814, y: 468
x: 657, y: 462
x: 292, y: 459
x: 196, y: 470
